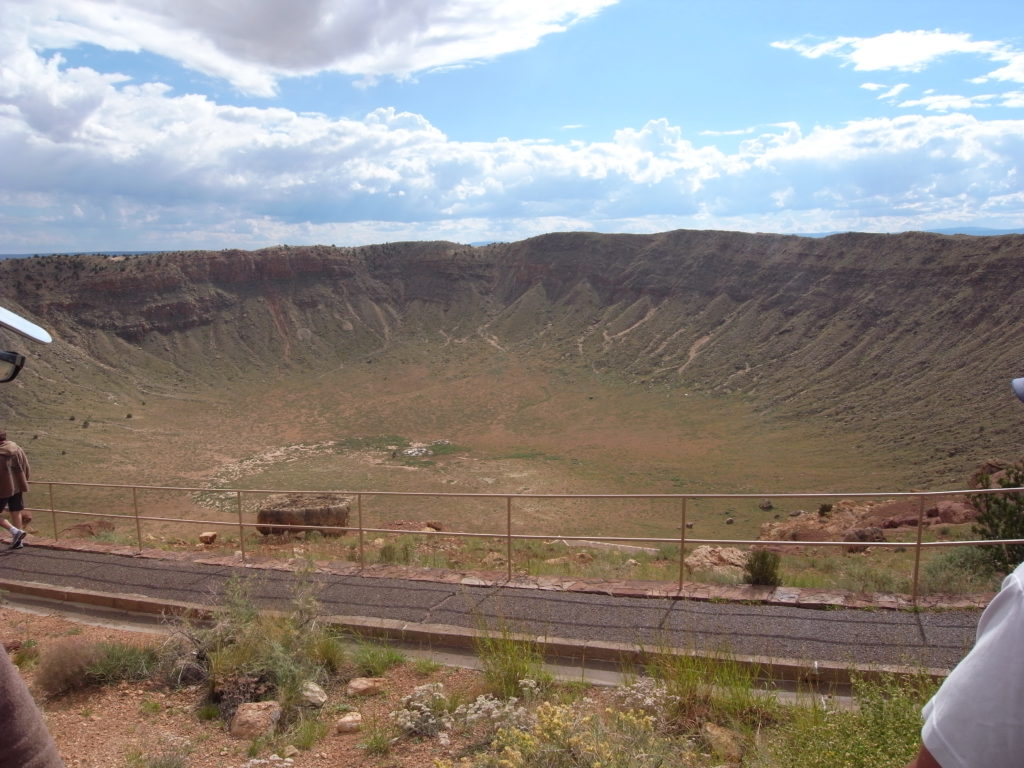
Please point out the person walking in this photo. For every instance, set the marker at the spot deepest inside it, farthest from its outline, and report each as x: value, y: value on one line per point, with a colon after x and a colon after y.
x: 14, y: 474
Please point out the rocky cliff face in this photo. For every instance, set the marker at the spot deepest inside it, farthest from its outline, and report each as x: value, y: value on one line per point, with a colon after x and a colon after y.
x: 907, y: 338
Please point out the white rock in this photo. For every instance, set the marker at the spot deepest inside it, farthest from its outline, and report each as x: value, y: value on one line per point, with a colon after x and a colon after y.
x: 349, y: 723
x: 312, y: 695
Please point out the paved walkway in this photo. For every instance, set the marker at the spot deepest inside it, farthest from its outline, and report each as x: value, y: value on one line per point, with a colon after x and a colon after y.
x: 583, y: 618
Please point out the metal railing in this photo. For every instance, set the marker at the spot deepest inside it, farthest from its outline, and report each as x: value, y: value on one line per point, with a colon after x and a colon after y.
x: 509, y: 535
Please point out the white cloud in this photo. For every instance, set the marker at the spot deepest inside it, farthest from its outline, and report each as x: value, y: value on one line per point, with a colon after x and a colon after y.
x: 252, y: 45
x: 911, y: 51
x: 949, y: 102
x: 96, y: 161
x: 893, y: 92
x: 152, y: 170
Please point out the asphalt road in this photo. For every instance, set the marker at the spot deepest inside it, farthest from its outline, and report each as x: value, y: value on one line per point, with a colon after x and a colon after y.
x: 927, y: 639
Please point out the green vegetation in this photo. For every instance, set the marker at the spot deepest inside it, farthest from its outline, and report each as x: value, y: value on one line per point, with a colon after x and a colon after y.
x: 685, y: 711
x: 1001, y: 516
x: 70, y: 665
x: 247, y: 655
x: 882, y: 732
x: 508, y: 660
x: 374, y: 659
x: 762, y: 568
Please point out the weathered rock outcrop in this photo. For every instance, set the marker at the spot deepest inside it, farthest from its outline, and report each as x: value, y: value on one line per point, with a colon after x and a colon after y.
x: 288, y: 513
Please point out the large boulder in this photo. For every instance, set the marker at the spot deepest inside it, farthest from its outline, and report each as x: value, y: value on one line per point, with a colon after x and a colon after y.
x: 281, y: 513
x: 255, y: 719
x: 725, y: 561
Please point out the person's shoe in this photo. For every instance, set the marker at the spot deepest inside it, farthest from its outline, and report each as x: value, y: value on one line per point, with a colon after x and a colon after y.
x: 18, y: 542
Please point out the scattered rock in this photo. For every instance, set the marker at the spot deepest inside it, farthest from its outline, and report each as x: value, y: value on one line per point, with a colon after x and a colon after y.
x: 584, y: 558
x: 254, y: 719
x: 312, y: 695
x: 290, y: 751
x: 631, y: 563
x: 207, y: 537
x: 351, y: 722
x: 729, y: 520
x: 364, y: 686
x: 766, y: 505
x: 872, y: 533
x: 954, y: 512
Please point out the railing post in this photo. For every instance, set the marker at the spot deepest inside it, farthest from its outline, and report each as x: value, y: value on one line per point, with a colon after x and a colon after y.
x: 138, y: 524
x: 362, y: 545
x: 53, y: 512
x: 508, y: 536
x: 682, y: 539
x: 241, y: 527
x: 917, y: 549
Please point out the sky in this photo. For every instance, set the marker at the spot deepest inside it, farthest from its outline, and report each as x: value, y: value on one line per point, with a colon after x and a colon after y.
x: 208, y: 124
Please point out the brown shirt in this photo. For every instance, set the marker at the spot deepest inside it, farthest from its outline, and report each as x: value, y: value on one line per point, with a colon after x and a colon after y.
x: 26, y: 743
x: 14, y: 470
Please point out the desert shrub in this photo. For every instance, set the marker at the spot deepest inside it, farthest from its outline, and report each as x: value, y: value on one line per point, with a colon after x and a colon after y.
x: 883, y: 731
x: 824, y: 510
x: 424, y: 712
x: 567, y: 736
x: 1001, y: 516
x: 507, y: 660
x: 713, y: 687
x: 862, y: 574
x: 116, y: 662
x: 762, y: 568
x: 377, y: 740
x: 245, y: 655
x: 27, y: 655
x: 959, y: 570
x: 71, y: 664
x: 395, y: 553
x: 63, y: 666
x: 374, y: 659
x: 305, y: 732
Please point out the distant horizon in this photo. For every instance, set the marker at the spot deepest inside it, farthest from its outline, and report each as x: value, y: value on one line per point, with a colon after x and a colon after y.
x: 970, y: 231
x: 351, y: 123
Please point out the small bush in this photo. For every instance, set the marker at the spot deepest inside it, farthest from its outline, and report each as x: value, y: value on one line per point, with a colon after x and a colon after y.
x: 115, y: 662
x: 716, y: 688
x: 395, y: 553
x: 762, y: 568
x: 960, y: 570
x: 374, y: 659
x: 377, y: 741
x: 27, y: 656
x: 883, y: 731
x: 425, y: 667
x: 1001, y: 516
x: 306, y: 732
x: 507, y: 661
x: 63, y: 666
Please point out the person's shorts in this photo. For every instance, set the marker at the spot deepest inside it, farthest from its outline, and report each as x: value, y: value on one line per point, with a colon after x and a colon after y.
x: 13, y: 503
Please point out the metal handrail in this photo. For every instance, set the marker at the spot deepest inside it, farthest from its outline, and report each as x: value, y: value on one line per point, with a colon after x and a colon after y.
x: 682, y: 540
